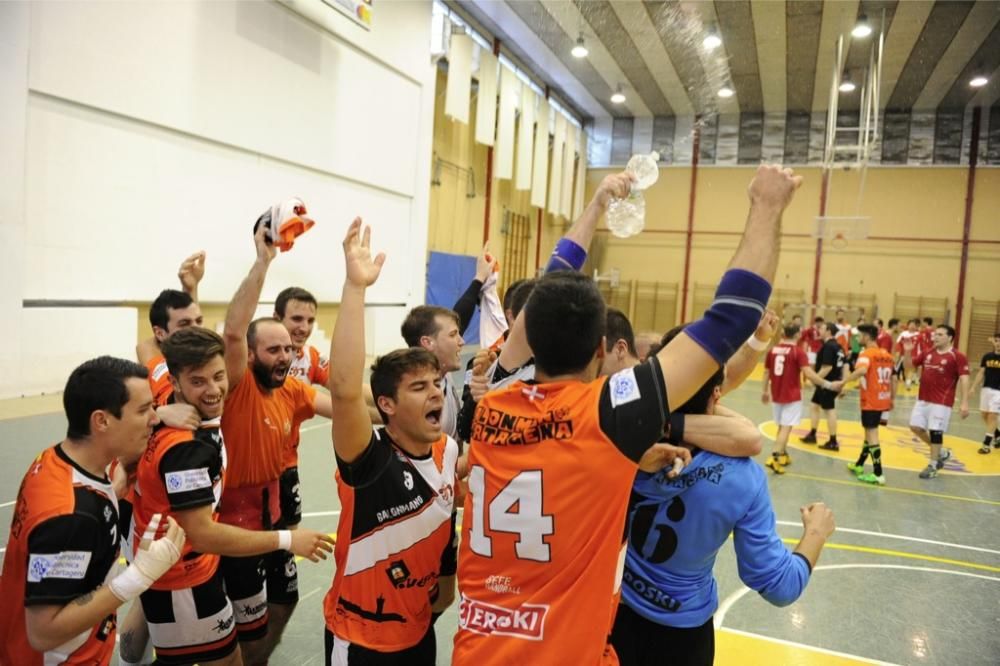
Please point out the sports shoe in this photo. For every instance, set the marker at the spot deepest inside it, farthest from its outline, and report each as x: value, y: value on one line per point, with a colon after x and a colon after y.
x: 857, y: 469
x: 996, y: 443
x: 775, y: 466
x: 872, y: 479
x: 808, y: 439
x: 929, y: 472
x: 985, y: 448
x: 784, y: 460
x: 943, y: 458
x: 830, y: 446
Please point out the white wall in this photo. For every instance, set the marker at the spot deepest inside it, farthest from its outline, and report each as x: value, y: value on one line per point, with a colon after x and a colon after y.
x: 144, y: 131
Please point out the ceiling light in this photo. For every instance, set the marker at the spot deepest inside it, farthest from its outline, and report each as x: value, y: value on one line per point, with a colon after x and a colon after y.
x: 712, y: 41
x: 847, y: 86
x: 726, y: 92
x: 978, y: 81
x: 618, y: 97
x: 580, y: 49
x: 863, y: 28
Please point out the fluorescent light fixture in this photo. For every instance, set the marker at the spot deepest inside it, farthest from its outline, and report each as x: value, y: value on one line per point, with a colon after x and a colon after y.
x: 862, y: 29
x: 712, y: 41
x: 580, y: 49
x: 978, y: 81
x: 725, y: 92
x: 618, y: 97
x: 847, y: 86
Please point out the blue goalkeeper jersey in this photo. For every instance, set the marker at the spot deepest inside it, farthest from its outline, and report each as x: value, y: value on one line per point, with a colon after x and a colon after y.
x: 677, y: 526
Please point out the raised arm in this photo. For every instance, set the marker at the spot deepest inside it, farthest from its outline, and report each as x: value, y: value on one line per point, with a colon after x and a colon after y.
x: 465, y: 306
x: 241, y: 309
x: 724, y: 435
x: 694, y: 355
x: 745, y: 359
x: 191, y: 272
x: 352, y: 427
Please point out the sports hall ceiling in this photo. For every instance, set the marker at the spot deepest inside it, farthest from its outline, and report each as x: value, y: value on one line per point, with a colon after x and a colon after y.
x: 776, y: 56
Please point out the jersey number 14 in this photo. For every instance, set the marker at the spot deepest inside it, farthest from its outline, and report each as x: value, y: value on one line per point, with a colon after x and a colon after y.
x: 516, y: 509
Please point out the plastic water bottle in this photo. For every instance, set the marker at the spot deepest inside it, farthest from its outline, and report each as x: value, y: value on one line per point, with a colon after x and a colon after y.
x: 627, y: 217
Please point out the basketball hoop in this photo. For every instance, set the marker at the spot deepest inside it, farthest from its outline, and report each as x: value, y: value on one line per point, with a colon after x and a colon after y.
x: 840, y: 230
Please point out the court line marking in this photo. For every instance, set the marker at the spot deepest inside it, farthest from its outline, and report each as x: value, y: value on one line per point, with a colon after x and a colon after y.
x: 8, y: 503
x: 899, y: 553
x: 809, y: 648
x: 728, y: 602
x: 812, y: 450
x: 890, y: 489
x: 886, y: 535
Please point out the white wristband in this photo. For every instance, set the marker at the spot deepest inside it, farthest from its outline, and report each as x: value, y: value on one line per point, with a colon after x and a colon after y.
x: 284, y: 539
x: 756, y: 344
x: 129, y: 584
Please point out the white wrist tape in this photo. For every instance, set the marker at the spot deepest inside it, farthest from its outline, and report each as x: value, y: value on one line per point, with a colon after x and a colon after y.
x: 284, y: 539
x: 756, y: 344
x: 130, y: 584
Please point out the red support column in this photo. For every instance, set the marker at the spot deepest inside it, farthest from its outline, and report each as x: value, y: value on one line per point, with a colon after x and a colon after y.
x: 970, y: 192
x: 819, y: 241
x: 695, y: 147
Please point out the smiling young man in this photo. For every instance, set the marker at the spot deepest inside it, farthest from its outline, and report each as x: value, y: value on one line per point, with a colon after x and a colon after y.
x: 263, y: 408
x: 396, y: 487
x: 190, y: 618
x: 60, y: 584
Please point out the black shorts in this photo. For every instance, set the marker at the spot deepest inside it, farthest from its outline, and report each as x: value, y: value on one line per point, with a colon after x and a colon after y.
x: 870, y: 419
x: 191, y: 625
x: 642, y: 642
x: 245, y: 584
x: 825, y: 399
x: 423, y: 653
x: 291, y: 501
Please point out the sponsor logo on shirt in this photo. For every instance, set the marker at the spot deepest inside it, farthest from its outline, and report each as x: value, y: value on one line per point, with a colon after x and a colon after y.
x: 711, y: 474
x: 526, y: 621
x: 407, y: 480
x: 187, y: 480
x: 624, y: 388
x: 159, y: 371
x: 501, y: 585
x: 71, y: 564
x: 400, y: 509
x: 650, y: 592
x: 399, y: 576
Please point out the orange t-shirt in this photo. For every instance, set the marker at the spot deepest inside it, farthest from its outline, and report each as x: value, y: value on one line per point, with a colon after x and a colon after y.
x: 550, y: 471
x: 876, y: 383
x: 63, y: 544
x: 394, y: 523
x: 159, y: 380
x: 258, y: 427
x: 309, y: 367
x: 180, y: 470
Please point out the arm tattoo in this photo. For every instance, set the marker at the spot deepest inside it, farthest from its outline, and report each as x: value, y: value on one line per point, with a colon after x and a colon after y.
x: 84, y: 599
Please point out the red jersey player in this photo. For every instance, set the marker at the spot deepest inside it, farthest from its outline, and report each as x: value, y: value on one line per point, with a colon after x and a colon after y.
x: 783, y: 367
x: 943, y: 368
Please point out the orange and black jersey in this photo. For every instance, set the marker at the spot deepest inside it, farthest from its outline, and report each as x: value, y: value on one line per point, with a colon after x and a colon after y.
x: 63, y: 544
x: 551, y: 468
x: 395, y: 521
x: 159, y: 380
x: 181, y: 470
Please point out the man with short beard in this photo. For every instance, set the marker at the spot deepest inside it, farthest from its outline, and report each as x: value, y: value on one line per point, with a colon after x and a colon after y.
x: 181, y: 475
x: 263, y: 409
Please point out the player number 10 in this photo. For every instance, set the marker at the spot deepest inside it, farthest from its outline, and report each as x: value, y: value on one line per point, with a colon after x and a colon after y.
x: 523, y: 492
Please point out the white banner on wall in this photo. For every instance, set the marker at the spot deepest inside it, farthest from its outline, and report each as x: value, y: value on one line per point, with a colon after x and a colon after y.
x: 456, y: 99
x: 503, y: 155
x: 525, y: 136
x: 569, y: 170
x: 486, y: 102
x: 555, y: 175
x: 581, y: 176
x: 540, y: 168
